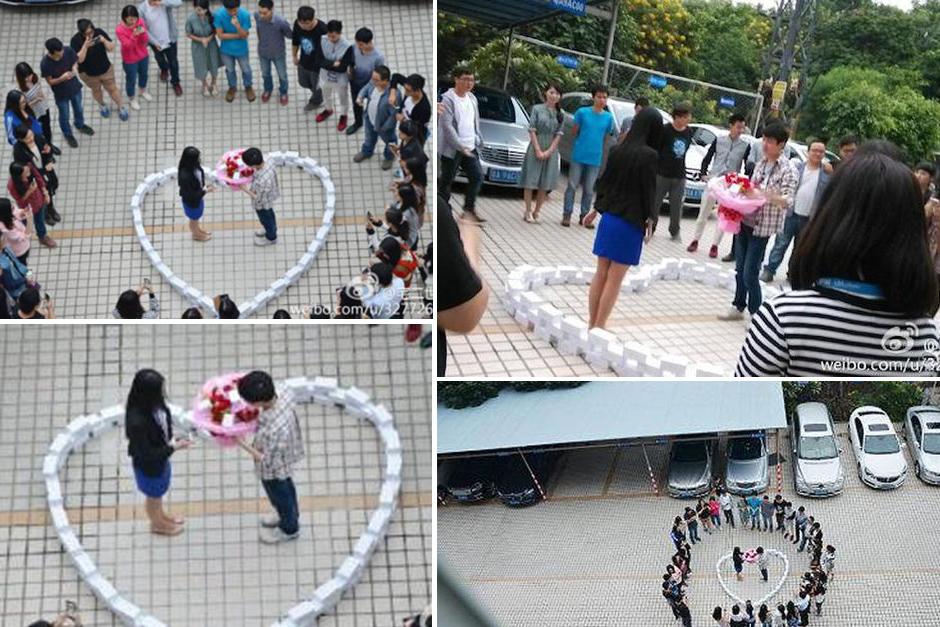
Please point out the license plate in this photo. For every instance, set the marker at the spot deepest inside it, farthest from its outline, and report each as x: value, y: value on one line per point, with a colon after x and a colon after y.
x: 503, y: 176
x: 695, y: 194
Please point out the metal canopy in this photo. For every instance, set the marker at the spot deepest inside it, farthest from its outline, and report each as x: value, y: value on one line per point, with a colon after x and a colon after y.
x: 604, y: 411
x: 507, y: 13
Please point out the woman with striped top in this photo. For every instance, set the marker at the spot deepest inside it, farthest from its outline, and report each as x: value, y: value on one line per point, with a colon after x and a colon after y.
x: 38, y: 100
x: 864, y: 288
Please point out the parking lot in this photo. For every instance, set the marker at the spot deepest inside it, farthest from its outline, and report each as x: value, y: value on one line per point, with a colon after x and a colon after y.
x: 594, y: 553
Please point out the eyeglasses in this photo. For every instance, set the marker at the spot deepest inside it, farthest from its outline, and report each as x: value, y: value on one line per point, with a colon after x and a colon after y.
x: 467, y: 79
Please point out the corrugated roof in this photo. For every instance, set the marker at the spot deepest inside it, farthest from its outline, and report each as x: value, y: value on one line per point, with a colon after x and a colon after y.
x: 600, y: 411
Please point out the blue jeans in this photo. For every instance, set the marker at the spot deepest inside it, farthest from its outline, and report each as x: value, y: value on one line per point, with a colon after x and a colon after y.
x: 372, y: 136
x: 280, y: 64
x: 269, y: 222
x: 792, y: 227
x: 76, y: 105
x: 244, y: 63
x: 283, y: 497
x: 39, y: 221
x: 135, y: 74
x: 748, y: 254
x: 585, y: 176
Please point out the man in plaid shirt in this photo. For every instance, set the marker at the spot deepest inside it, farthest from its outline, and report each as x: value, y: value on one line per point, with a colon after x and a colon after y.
x: 277, y: 446
x: 776, y: 179
x: 263, y: 191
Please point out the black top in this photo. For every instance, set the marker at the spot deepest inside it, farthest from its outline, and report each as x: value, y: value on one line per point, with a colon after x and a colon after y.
x: 309, y: 43
x: 421, y: 113
x: 96, y: 59
x: 147, y: 445
x: 457, y: 281
x: 627, y: 188
x: 49, y: 68
x: 22, y: 153
x: 672, y: 151
x: 191, y: 188
x: 346, y: 61
x: 412, y: 149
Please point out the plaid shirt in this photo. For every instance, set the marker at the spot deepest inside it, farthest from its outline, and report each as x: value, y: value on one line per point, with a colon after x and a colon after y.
x: 279, y: 438
x: 264, y: 185
x: 781, y: 178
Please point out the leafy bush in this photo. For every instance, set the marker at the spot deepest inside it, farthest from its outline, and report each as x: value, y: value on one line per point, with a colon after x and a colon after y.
x: 530, y: 71
x: 894, y: 397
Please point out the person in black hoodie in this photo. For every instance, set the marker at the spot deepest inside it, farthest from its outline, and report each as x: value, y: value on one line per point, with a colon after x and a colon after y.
x: 626, y: 197
x: 193, y: 188
x: 149, y: 430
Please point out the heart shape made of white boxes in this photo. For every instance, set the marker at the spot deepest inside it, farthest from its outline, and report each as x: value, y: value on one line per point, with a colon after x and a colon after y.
x: 773, y: 592
x: 601, y: 348
x: 321, y: 390
x: 247, y: 308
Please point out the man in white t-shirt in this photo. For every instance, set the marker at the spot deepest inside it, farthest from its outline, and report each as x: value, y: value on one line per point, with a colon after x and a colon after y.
x: 459, y: 140
x: 813, y: 180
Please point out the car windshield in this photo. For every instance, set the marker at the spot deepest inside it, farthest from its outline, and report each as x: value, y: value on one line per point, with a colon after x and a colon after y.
x: 881, y: 444
x: 932, y: 443
x: 818, y: 448
x: 690, y: 452
x: 744, y: 448
x: 496, y: 107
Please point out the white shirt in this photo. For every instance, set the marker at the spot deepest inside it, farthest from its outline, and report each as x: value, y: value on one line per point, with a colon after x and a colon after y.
x: 803, y: 205
x: 725, y: 500
x: 374, y: 104
x: 409, y: 107
x: 158, y: 25
x: 466, y: 122
x: 385, y: 303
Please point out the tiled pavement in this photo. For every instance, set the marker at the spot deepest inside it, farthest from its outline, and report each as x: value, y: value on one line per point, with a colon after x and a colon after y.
x: 98, y: 255
x: 672, y: 317
x: 594, y: 553
x: 216, y: 573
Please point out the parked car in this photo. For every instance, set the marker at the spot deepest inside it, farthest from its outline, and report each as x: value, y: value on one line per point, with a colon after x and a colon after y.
x: 881, y: 464
x: 922, y: 428
x: 702, y: 137
x: 746, y: 471
x: 514, y: 484
x: 471, y: 479
x: 690, y: 468
x: 504, y: 126
x: 817, y: 469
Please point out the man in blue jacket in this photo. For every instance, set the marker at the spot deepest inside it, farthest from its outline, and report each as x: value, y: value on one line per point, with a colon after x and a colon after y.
x: 379, y: 116
x: 813, y: 179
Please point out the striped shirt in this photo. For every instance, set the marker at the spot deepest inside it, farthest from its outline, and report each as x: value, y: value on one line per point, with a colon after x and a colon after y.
x: 279, y: 439
x: 264, y: 185
x: 822, y: 332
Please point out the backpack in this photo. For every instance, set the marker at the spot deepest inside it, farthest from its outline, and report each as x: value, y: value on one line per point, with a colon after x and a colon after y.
x: 407, y: 265
x: 14, y: 273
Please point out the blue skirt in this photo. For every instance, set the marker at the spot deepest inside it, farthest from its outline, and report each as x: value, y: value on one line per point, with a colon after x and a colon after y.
x: 154, y: 487
x: 618, y: 240
x: 194, y: 213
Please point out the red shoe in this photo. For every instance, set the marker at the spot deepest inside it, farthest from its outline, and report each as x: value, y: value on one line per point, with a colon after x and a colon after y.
x: 178, y: 90
x: 283, y: 100
x: 693, y: 246
x: 324, y: 115
x: 412, y: 333
x: 713, y: 252
x: 342, y: 124
x: 265, y: 96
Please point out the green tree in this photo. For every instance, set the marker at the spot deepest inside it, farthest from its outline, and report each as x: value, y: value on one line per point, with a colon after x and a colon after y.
x: 457, y: 39
x: 726, y: 42
x: 894, y: 397
x: 872, y: 36
x: 461, y: 394
x: 530, y: 70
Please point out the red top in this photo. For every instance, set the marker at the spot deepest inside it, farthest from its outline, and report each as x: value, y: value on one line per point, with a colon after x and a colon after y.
x: 34, y: 201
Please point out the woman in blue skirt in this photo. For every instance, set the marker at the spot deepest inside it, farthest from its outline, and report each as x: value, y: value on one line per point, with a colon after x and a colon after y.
x: 149, y: 430
x: 625, y: 196
x: 193, y: 188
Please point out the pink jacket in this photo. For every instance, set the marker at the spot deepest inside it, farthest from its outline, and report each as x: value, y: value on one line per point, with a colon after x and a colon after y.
x: 16, y: 238
x: 133, y: 47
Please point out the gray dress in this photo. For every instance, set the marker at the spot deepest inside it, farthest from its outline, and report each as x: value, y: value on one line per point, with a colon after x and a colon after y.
x: 206, y: 59
x: 537, y: 173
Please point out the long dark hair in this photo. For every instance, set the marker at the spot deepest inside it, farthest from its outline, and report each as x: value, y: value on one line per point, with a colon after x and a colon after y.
x: 395, y: 218
x: 16, y: 174
x: 418, y: 169
x: 559, y: 115
x: 146, y: 392
x: 23, y: 71
x: 204, y: 4
x: 13, y: 104
x: 409, y: 197
x: 631, y: 164
x: 870, y: 225
x: 128, y: 305
x: 6, y: 213
x: 189, y: 160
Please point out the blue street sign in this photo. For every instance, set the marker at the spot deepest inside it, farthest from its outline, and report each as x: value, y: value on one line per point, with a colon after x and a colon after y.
x: 576, y: 7
x: 726, y: 101
x: 568, y: 61
x: 657, y: 82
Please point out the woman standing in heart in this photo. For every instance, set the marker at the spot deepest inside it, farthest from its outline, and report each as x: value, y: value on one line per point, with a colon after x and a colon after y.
x: 192, y: 183
x: 149, y: 430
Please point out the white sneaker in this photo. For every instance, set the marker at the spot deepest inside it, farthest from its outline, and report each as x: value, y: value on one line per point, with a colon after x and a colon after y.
x: 260, y: 233
x: 146, y: 95
x: 733, y: 313
x: 206, y: 92
x: 264, y: 241
x: 270, y: 521
x: 134, y: 104
x: 276, y: 536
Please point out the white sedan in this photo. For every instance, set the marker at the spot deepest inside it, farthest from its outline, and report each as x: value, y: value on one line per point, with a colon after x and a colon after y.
x: 881, y: 464
x: 922, y: 428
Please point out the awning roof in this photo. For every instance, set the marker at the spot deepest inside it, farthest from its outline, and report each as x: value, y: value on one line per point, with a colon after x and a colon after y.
x: 503, y: 13
x: 601, y: 411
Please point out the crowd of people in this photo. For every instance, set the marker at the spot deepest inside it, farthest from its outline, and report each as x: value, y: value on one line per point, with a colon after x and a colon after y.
x: 335, y: 74
x: 776, y: 516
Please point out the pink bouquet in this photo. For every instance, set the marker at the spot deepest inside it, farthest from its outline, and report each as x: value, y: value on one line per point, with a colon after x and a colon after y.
x: 219, y: 410
x: 750, y: 556
x: 232, y: 171
x: 731, y: 193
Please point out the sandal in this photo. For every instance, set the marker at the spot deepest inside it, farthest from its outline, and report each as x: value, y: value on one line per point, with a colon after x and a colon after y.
x: 535, y: 218
x: 527, y: 217
x: 163, y: 531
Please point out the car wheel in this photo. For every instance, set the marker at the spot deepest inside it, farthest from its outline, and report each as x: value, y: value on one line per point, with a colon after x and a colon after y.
x: 860, y: 473
x: 917, y: 469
